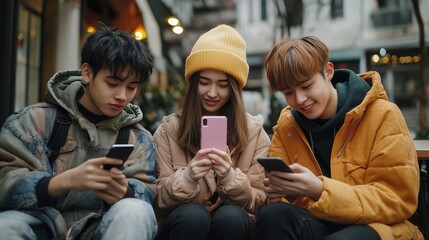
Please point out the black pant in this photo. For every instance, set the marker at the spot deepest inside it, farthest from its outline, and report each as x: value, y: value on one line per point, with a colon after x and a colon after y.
x: 285, y: 221
x: 191, y: 221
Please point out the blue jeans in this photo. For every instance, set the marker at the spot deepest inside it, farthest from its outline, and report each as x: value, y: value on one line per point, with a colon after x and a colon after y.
x: 18, y: 225
x: 192, y: 221
x: 285, y: 221
x: 129, y: 218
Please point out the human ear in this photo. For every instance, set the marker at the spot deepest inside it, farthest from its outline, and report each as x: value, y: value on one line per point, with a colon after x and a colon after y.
x: 86, y: 73
x: 329, y: 70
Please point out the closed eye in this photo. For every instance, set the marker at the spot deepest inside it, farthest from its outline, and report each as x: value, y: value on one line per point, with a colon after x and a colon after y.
x: 203, y: 82
x: 111, y: 84
x: 307, y: 86
x: 133, y: 86
x: 224, y: 85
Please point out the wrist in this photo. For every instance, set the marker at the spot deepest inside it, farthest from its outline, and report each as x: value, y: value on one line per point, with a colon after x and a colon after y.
x: 318, y: 190
x: 228, y: 178
x: 187, y: 179
x: 58, y: 185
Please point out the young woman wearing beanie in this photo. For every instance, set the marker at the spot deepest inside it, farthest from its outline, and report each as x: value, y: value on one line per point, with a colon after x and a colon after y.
x: 210, y: 193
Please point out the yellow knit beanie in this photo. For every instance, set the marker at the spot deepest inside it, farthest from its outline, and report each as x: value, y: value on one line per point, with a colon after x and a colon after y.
x: 222, y: 48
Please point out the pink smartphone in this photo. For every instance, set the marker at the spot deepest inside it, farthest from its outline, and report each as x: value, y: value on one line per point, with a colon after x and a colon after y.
x: 214, y: 132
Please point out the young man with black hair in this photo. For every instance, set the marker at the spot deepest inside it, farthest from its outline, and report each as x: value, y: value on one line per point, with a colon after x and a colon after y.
x: 72, y: 196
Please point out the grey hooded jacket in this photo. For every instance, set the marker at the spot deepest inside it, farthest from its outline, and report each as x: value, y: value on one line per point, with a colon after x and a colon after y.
x: 23, y: 159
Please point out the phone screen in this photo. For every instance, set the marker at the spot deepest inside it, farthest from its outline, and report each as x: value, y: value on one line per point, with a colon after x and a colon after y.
x: 214, y: 132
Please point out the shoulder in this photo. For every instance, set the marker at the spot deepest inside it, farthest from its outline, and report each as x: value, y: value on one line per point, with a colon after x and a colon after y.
x: 255, y: 125
x: 31, y: 125
x: 382, y: 110
x: 169, y: 125
x: 285, y: 118
x: 380, y: 117
x: 254, y: 121
x: 39, y: 114
x: 141, y: 132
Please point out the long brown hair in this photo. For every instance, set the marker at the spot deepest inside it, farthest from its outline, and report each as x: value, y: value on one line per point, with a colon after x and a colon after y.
x: 191, y: 111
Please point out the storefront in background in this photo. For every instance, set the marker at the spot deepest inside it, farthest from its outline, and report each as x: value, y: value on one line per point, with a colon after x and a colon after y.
x: 399, y: 70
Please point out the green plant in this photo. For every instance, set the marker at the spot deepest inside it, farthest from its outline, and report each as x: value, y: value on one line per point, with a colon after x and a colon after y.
x: 422, y: 134
x: 157, y: 102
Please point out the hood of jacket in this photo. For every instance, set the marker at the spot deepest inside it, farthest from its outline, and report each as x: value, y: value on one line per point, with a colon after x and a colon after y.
x: 66, y: 86
x: 351, y: 90
x: 346, y: 102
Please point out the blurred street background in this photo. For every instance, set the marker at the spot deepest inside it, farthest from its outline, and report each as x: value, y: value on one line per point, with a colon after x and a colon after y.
x: 41, y: 37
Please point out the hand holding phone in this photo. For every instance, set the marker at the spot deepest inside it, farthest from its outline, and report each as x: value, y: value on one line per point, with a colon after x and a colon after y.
x: 119, y: 151
x: 274, y: 164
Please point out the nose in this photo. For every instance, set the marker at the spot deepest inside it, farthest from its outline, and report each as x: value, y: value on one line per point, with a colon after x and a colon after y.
x: 121, y: 93
x: 212, y: 92
x: 300, y: 97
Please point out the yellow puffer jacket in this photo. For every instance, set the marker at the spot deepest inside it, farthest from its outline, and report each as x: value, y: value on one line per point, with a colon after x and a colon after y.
x: 374, y: 169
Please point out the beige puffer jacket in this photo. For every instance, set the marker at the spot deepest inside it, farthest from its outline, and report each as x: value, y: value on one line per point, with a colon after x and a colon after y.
x: 244, y: 188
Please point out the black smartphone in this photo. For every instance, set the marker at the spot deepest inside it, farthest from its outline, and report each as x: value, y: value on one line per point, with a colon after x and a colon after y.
x: 119, y: 151
x: 274, y: 164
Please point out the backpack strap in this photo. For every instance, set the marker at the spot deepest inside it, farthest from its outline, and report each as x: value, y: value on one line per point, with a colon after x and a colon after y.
x: 60, y: 131
x: 59, y: 134
x: 123, y: 135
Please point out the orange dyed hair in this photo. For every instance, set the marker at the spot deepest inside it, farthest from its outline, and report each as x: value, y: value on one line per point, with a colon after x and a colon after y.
x: 293, y: 61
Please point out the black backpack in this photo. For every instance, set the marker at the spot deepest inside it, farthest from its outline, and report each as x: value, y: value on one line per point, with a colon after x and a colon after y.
x: 60, y: 131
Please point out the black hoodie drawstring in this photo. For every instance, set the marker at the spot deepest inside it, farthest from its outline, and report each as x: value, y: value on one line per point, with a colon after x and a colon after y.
x: 311, y: 142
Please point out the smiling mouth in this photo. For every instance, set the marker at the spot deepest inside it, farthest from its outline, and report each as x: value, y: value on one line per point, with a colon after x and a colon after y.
x: 308, y: 107
x: 211, y: 103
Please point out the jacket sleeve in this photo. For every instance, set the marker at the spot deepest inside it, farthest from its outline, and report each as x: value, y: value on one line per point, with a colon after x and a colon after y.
x: 245, y: 186
x: 173, y: 185
x: 141, y: 174
x: 23, y: 162
x: 379, y: 180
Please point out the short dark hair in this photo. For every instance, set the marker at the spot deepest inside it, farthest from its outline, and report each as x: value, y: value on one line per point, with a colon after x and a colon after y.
x: 117, y: 51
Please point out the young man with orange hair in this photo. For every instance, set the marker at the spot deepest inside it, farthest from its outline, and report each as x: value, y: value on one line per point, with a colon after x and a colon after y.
x: 356, y: 174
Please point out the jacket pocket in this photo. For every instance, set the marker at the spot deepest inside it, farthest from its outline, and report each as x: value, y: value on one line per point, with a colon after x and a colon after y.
x: 354, y: 168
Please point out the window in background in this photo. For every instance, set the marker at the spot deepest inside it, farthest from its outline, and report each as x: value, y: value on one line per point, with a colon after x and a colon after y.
x: 27, y: 88
x: 337, y: 9
x: 263, y: 10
